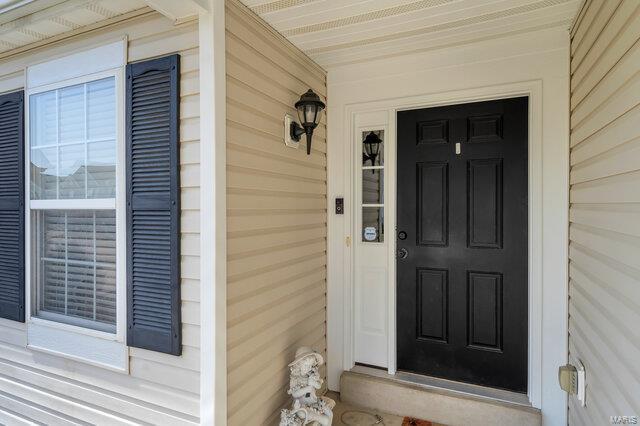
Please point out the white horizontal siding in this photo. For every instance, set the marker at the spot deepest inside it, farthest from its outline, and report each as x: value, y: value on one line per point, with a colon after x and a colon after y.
x: 160, y: 388
x: 604, y: 260
x: 276, y: 224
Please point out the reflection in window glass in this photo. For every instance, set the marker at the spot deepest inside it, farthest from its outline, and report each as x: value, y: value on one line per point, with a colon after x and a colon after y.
x: 43, y: 119
x: 72, y: 147
x: 101, y: 173
x: 72, y: 136
x: 44, y: 174
x: 373, y: 224
x: 71, y: 171
x: 373, y: 148
x: 101, y: 104
x: 71, y: 114
x: 372, y: 186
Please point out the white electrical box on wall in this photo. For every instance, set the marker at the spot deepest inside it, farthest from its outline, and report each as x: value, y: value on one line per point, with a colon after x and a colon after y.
x: 288, y: 141
x: 582, y: 383
x: 573, y: 380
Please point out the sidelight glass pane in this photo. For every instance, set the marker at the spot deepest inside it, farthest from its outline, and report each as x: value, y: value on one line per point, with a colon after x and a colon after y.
x: 372, y: 186
x: 372, y: 224
x: 373, y: 153
x: 75, y: 267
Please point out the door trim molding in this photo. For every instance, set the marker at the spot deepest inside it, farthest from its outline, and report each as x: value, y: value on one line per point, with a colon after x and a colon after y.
x: 342, y: 302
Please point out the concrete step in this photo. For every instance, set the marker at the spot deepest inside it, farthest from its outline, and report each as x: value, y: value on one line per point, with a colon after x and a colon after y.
x: 391, y: 395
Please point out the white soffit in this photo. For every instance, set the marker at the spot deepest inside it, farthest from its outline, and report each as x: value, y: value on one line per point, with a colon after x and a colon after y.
x: 38, y: 20
x: 333, y: 32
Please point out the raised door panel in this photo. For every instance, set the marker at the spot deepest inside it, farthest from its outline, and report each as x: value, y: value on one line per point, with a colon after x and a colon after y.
x: 433, y: 132
x: 484, y: 314
x: 433, y: 203
x: 433, y: 306
x: 484, y: 217
x: 485, y: 128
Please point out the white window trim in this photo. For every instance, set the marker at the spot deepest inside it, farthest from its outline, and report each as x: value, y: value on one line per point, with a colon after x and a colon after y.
x: 72, y: 341
x: 80, y: 204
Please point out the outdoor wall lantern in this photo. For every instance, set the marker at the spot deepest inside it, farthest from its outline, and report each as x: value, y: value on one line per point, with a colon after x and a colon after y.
x: 309, y: 111
x: 372, y: 148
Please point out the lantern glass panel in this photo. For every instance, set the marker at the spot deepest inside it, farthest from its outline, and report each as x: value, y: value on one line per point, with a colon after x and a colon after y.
x: 310, y: 113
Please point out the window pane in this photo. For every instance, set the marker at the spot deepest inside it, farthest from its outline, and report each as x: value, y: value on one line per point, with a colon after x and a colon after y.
x: 105, y: 294
x: 105, y: 238
x: 101, y: 109
x: 372, y: 186
x: 80, y: 288
x: 54, y: 233
x: 76, y: 265
x: 44, y: 173
x: 71, y: 172
x: 373, y: 224
x: 105, y: 266
x: 43, y: 122
x: 373, y: 148
x: 53, y: 294
x: 101, y: 170
x: 80, y: 236
x: 73, y: 142
x: 71, y: 114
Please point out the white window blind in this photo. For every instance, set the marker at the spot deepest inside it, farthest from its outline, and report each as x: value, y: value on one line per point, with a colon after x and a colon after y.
x: 77, y: 266
x: 72, y: 147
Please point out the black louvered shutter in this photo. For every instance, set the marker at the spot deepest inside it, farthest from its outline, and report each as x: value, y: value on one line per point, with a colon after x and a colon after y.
x: 12, y: 206
x: 153, y: 205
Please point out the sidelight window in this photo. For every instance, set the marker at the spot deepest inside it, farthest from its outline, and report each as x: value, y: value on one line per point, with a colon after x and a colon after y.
x: 372, y: 172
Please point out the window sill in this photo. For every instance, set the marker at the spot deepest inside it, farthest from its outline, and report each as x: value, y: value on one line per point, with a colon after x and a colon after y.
x: 93, y: 350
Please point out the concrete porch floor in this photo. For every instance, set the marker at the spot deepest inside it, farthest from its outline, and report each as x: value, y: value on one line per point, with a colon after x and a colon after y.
x: 383, y: 393
x: 345, y: 414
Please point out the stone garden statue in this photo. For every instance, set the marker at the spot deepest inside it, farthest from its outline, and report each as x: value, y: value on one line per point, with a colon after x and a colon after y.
x: 304, y: 381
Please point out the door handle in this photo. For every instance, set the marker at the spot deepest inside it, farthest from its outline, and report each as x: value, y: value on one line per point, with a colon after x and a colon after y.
x: 403, y: 253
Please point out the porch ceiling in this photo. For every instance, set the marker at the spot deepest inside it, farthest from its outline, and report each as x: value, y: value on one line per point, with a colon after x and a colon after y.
x: 337, y: 31
x: 26, y: 22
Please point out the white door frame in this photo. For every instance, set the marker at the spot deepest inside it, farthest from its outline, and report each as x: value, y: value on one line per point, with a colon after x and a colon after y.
x: 532, y: 89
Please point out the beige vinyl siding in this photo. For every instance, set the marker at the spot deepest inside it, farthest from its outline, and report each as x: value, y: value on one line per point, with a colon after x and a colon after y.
x: 276, y: 200
x: 160, y: 388
x: 604, y: 260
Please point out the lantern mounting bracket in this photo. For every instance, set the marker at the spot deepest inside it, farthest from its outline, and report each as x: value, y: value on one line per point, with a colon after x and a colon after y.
x: 290, y: 139
x: 296, y: 131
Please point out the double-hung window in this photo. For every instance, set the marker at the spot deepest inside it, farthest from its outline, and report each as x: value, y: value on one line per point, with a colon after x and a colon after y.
x: 75, y: 206
x: 102, y: 206
x: 73, y: 143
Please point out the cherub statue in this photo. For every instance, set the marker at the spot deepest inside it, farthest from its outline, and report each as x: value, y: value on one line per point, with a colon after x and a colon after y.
x: 304, y: 381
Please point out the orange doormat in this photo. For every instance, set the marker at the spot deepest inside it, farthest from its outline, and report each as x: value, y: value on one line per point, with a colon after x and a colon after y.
x: 410, y: 421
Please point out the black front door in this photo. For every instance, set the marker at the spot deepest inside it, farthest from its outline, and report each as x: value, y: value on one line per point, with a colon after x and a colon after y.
x: 462, y: 303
